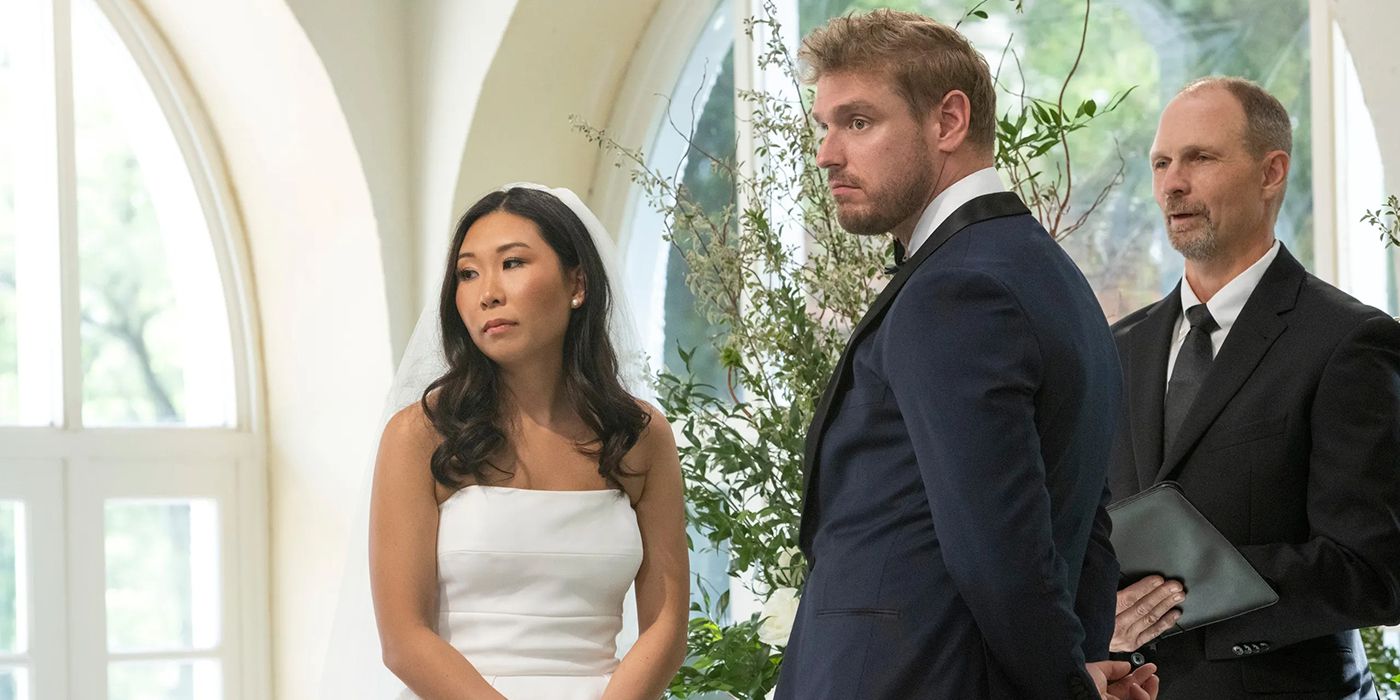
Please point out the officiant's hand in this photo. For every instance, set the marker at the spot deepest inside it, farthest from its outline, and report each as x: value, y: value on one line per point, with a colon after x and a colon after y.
x: 1146, y: 609
x: 1118, y: 680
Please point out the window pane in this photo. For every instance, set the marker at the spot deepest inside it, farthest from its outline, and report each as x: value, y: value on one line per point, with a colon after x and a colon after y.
x: 702, y: 110
x: 9, y: 131
x: 1158, y: 46
x: 14, y: 683
x: 30, y: 368
x: 13, y: 576
x: 162, y: 575
x: 164, y: 680
x: 714, y: 134
x: 154, y: 328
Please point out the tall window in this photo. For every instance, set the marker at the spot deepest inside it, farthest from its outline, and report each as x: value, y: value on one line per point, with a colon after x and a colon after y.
x: 126, y: 431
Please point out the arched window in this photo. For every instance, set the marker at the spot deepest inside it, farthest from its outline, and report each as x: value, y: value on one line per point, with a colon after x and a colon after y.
x: 131, y: 542
x: 1291, y: 47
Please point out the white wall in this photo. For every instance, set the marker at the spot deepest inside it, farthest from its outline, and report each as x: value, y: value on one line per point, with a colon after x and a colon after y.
x: 319, y: 285
x: 450, y: 52
x: 1369, y: 29
x: 553, y: 60
x: 362, y: 46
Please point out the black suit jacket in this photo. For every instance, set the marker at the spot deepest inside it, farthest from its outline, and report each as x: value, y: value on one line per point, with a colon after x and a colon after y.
x: 956, y: 477
x: 1292, y: 450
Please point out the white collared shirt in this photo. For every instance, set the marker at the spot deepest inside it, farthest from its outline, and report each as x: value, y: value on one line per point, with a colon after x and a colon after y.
x: 1224, y: 307
x: 984, y: 181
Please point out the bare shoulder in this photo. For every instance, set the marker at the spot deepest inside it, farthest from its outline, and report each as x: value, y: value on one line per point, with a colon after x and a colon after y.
x: 408, y: 443
x: 656, y: 439
x: 410, y: 427
x: 654, y: 453
x: 655, y: 464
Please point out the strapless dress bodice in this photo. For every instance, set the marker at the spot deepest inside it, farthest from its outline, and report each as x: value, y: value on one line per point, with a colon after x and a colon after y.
x: 531, y: 586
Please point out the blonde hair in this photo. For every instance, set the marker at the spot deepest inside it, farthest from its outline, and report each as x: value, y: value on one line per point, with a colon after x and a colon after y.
x: 922, y: 57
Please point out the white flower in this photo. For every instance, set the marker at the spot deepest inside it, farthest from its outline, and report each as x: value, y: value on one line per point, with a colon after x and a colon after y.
x: 779, y: 611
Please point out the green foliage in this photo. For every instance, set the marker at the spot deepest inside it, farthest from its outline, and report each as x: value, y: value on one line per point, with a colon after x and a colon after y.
x: 725, y: 658
x: 1387, y: 220
x: 1385, y: 663
x: 1034, y: 135
x: 1023, y: 143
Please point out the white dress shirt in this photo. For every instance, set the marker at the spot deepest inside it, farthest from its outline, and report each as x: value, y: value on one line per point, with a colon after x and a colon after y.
x: 1224, y: 307
x: 984, y: 181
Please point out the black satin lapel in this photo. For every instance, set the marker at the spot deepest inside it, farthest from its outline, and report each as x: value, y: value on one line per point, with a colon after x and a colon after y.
x: 1254, y: 332
x: 1148, y: 368
x: 984, y: 208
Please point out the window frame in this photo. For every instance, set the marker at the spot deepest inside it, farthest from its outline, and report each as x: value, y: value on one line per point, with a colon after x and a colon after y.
x: 56, y: 469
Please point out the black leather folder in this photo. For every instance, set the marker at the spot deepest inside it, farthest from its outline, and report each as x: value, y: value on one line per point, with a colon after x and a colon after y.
x: 1159, y: 532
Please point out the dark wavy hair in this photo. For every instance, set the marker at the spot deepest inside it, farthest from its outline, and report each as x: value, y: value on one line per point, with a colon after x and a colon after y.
x: 466, y: 408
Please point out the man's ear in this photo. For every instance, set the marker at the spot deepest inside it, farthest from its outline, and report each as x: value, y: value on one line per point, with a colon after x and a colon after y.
x: 1274, y: 174
x: 953, y: 117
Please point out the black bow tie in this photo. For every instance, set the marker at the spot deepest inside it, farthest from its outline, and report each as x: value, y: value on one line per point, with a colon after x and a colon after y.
x: 898, y: 259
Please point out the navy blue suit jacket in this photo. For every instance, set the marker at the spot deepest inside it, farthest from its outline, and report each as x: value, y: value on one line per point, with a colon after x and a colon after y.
x: 954, y: 520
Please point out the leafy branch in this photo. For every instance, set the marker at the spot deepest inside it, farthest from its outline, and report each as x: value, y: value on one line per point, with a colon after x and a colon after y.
x: 1038, y: 131
x: 1387, y: 220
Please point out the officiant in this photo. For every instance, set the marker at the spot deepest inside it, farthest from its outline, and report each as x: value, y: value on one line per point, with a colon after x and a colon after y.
x: 1273, y: 399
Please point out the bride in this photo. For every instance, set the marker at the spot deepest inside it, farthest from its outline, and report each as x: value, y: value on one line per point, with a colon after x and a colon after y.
x: 518, y: 499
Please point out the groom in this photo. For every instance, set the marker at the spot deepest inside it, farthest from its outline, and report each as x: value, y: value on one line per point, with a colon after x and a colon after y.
x: 955, y: 468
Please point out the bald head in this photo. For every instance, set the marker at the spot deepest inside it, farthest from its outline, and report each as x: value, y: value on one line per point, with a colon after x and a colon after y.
x: 1266, y: 125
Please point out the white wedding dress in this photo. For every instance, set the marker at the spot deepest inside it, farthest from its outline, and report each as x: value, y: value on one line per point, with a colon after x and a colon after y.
x: 531, y: 585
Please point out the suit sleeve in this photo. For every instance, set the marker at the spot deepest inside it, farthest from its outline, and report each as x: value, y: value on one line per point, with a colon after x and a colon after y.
x: 1098, y: 585
x: 1347, y: 574
x: 964, y: 367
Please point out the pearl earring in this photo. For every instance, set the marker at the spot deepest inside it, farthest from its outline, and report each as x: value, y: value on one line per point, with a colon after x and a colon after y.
x: 574, y: 303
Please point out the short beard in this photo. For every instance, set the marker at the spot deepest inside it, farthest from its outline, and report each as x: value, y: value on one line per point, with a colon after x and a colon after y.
x: 1205, y: 245
x: 901, y: 201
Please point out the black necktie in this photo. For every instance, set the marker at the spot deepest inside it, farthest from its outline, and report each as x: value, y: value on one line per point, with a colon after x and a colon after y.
x: 1192, y: 364
x: 898, y: 259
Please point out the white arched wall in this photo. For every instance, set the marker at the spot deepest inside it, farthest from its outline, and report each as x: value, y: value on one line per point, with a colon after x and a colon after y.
x: 319, y: 284
x: 408, y: 77
x: 1367, y: 26
x: 1363, y: 25
x: 362, y: 46
x: 554, y: 59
